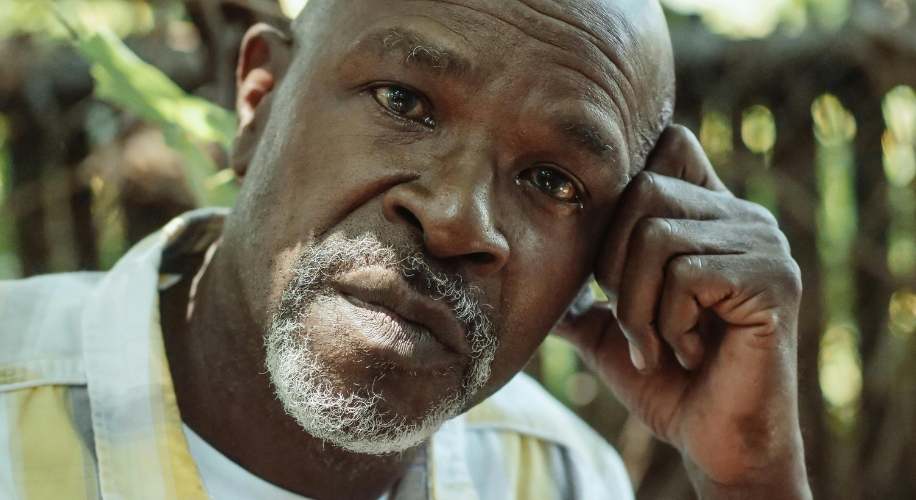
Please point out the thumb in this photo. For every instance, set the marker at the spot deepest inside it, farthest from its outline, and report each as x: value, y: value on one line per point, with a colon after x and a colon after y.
x: 602, y: 345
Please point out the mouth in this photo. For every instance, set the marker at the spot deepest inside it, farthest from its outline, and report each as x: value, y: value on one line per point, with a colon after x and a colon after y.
x: 401, y: 311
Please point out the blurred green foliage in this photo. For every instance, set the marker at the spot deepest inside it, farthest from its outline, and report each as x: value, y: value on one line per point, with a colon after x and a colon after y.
x: 9, y: 259
x: 95, y: 27
x: 127, y: 82
x: 760, y: 18
x: 33, y: 17
x: 840, y: 366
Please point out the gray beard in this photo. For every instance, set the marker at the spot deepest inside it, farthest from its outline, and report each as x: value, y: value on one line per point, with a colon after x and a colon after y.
x: 352, y: 419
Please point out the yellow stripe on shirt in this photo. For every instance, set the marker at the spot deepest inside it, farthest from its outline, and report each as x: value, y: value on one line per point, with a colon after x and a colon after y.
x: 170, y: 440
x: 54, y: 458
x: 528, y: 472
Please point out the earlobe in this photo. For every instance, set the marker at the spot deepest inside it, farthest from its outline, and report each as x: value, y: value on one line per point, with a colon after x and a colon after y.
x: 263, y: 60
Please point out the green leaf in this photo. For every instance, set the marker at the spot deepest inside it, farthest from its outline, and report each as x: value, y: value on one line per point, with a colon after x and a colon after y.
x: 126, y: 81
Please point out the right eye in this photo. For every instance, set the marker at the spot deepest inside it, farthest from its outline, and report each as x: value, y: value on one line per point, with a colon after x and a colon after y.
x: 404, y: 103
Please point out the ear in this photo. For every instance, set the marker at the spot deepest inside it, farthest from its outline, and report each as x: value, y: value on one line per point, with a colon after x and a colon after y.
x: 263, y: 60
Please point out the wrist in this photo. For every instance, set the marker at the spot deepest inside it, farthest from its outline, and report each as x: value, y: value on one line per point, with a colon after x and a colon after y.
x: 782, y: 477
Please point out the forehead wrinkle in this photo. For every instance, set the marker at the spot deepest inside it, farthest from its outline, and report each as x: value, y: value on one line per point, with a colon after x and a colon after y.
x: 627, y: 94
x: 620, y: 25
x: 621, y: 107
x: 608, y: 84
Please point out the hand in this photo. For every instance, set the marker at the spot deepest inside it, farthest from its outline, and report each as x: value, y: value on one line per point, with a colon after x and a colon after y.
x: 699, y: 337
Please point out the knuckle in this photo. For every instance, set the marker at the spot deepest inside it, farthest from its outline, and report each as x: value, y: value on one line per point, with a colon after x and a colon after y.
x: 775, y: 240
x: 651, y: 230
x: 783, y: 242
x: 677, y: 144
x: 782, y: 279
x: 791, y: 277
x: 684, y: 268
x: 646, y: 184
x: 760, y: 213
x: 681, y: 138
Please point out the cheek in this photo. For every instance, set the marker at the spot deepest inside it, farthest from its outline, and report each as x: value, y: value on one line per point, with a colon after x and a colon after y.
x: 542, y: 280
x: 310, y: 173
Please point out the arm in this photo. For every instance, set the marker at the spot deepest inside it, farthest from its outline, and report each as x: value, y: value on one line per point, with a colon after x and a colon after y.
x: 699, y: 339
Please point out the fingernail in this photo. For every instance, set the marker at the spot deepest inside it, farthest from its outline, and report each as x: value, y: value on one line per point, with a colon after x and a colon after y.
x: 636, y: 356
x: 682, y: 361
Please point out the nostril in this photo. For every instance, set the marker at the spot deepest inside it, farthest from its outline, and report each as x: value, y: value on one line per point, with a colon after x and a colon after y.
x: 481, y: 258
x: 407, y: 215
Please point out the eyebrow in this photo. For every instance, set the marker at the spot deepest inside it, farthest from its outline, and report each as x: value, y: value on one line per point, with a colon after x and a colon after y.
x: 411, y: 48
x: 587, y: 135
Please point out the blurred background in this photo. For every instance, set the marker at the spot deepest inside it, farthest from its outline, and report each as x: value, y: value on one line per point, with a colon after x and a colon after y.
x: 115, y: 116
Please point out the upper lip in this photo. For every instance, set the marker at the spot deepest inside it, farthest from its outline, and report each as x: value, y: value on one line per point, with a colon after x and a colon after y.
x: 387, y: 288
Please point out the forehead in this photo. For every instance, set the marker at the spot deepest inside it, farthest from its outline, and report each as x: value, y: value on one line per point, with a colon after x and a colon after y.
x: 591, y: 36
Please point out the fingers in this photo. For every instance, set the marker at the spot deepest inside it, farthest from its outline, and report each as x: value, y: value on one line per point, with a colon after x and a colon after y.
x: 655, y: 196
x: 676, y: 184
x: 675, y: 213
x: 679, y: 311
x: 748, y: 292
x: 743, y: 290
x: 654, y: 244
x: 679, y: 154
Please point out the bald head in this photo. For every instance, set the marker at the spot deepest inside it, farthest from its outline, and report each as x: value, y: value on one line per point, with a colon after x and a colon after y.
x: 630, y: 35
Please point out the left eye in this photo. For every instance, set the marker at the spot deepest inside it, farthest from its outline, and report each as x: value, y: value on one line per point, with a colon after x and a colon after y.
x: 553, y: 182
x: 404, y: 103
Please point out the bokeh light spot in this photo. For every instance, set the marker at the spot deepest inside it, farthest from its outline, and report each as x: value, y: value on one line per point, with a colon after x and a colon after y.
x: 902, y: 314
x: 840, y: 368
x: 716, y: 137
x: 758, y: 129
x: 582, y: 388
x: 833, y: 124
x: 292, y: 8
x: 901, y: 256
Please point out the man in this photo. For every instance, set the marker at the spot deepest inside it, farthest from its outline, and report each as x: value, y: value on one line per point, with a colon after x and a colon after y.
x: 426, y: 188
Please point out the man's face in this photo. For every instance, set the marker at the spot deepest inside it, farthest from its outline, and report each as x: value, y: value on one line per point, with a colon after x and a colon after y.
x: 427, y: 168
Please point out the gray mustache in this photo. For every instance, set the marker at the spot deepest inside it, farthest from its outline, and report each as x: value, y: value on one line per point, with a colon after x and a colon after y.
x: 337, y: 255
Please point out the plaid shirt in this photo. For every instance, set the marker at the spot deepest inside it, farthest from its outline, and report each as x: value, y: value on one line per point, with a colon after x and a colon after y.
x: 88, y: 410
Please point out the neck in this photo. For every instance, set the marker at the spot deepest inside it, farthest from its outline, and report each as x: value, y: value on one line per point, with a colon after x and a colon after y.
x: 217, y: 362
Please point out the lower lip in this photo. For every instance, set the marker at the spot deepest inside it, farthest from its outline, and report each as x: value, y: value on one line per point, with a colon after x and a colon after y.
x: 408, y: 344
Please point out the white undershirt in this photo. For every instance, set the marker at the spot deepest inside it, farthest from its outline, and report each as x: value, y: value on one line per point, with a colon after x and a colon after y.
x: 223, y: 479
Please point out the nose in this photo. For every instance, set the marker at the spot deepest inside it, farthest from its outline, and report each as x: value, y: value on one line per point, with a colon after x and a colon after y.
x: 454, y: 216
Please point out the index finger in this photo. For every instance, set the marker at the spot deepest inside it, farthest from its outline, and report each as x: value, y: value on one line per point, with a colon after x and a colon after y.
x: 679, y: 154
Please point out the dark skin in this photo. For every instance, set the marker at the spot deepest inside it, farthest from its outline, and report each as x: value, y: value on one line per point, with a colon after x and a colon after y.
x: 511, y: 143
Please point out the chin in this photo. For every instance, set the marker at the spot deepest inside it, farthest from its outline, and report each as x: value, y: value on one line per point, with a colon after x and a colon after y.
x: 366, y: 374
x: 354, y: 397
